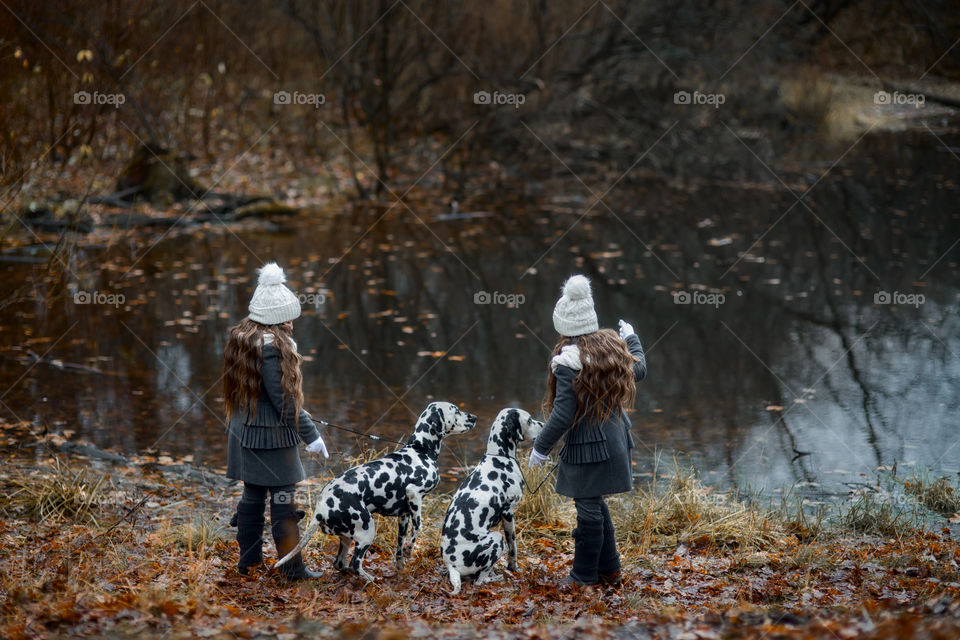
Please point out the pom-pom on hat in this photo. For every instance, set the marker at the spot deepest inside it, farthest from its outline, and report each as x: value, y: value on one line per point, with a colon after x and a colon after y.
x: 574, y: 314
x: 273, y: 302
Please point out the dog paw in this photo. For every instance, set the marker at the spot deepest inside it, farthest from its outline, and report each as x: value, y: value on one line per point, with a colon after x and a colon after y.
x: 512, y: 566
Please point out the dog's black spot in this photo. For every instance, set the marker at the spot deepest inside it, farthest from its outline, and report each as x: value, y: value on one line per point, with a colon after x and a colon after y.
x: 486, y: 498
x: 385, y: 486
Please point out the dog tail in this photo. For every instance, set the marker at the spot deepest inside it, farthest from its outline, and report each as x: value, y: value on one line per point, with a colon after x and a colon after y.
x: 304, y: 539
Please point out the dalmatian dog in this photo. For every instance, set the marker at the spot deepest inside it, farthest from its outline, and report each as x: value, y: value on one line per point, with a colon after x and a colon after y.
x: 487, y: 497
x: 393, y: 485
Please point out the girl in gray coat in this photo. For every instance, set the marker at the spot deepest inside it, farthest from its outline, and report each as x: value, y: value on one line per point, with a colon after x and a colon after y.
x: 592, y: 378
x: 263, y: 394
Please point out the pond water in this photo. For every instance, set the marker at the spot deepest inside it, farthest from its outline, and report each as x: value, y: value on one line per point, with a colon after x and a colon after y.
x: 795, y: 373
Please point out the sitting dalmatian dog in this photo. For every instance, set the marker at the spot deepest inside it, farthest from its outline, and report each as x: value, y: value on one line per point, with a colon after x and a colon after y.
x: 487, y: 497
x: 393, y: 485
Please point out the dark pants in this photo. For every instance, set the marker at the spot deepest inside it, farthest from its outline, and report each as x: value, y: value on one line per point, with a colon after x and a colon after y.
x: 256, y: 494
x: 283, y: 526
x: 595, y: 549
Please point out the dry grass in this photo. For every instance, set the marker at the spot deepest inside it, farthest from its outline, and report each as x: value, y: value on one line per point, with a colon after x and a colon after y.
x: 938, y: 495
x: 61, y: 494
x: 805, y: 522
x: 545, y: 506
x: 202, y: 532
x: 684, y: 510
x: 678, y: 508
x: 873, y: 517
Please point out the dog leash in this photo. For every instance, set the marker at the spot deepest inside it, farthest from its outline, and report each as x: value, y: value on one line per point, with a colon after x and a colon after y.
x: 359, y: 433
x: 545, y: 478
x: 524, y: 477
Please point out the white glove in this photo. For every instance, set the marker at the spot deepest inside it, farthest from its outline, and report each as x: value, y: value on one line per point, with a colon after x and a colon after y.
x: 626, y: 329
x: 318, y: 446
x: 537, y: 459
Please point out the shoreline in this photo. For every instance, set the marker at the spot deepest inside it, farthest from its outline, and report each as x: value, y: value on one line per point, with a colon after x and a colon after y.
x: 155, y: 558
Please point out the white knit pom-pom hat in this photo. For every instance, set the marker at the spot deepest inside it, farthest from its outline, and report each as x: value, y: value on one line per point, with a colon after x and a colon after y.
x: 273, y: 302
x: 574, y: 314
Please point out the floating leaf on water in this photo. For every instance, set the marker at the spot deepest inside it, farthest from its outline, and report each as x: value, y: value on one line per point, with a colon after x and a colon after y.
x: 720, y: 242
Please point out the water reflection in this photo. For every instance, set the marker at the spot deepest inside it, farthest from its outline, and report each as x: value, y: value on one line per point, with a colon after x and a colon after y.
x: 796, y: 377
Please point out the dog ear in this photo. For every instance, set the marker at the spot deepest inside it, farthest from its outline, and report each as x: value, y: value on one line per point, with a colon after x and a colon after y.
x: 513, y: 424
x: 435, y: 420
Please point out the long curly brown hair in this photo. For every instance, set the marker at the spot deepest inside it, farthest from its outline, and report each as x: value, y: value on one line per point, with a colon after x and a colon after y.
x: 242, y: 359
x: 605, y: 384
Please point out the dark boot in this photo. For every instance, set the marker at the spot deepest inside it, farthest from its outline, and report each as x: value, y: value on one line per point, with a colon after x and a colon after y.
x: 588, y: 542
x: 249, y: 520
x: 608, y: 567
x: 286, y: 535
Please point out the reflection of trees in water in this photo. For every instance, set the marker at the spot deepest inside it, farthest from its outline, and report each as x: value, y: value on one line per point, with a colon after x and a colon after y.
x: 892, y: 382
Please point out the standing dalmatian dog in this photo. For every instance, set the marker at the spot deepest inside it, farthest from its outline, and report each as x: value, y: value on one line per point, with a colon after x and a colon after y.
x: 393, y: 485
x: 487, y: 497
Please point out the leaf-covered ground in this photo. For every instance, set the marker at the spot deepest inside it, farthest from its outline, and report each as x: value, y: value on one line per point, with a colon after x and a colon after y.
x: 152, y: 557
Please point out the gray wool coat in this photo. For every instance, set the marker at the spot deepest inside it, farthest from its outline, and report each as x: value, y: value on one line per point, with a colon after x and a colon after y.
x: 262, y: 447
x: 596, y: 457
